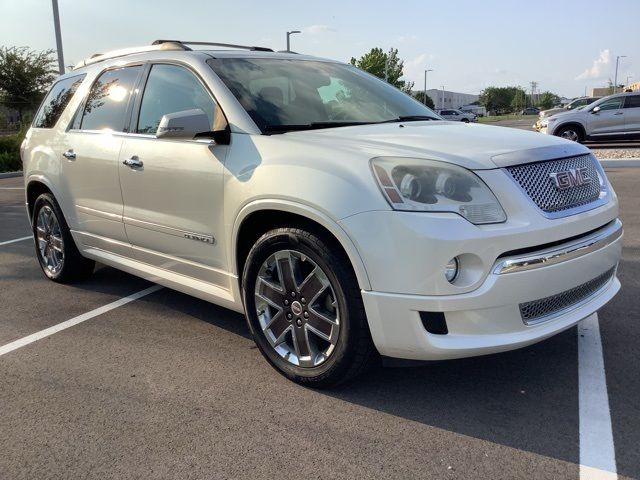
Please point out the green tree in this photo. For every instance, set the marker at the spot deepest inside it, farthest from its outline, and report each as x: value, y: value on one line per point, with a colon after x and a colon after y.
x: 419, y: 95
x: 502, y: 99
x: 548, y: 100
x: 375, y: 61
x: 25, y: 76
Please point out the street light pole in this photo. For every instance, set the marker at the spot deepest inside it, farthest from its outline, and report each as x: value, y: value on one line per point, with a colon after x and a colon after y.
x: 288, y: 41
x: 615, y: 81
x: 56, y: 23
x: 424, y: 100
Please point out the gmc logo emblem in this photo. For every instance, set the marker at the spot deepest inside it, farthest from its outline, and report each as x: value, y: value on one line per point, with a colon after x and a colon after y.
x: 573, y: 177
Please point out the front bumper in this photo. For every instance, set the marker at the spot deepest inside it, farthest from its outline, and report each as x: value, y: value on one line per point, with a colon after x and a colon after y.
x: 488, y: 319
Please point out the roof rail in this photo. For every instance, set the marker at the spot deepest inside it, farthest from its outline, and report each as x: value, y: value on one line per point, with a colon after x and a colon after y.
x: 100, y: 57
x: 213, y: 44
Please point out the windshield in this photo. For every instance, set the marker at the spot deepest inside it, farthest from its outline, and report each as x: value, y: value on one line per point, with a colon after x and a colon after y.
x: 289, y: 94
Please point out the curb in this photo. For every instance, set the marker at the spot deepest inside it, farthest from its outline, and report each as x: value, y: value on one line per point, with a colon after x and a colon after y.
x: 620, y: 162
x: 10, y: 174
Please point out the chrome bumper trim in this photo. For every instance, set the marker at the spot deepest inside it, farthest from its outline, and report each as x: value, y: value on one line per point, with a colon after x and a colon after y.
x: 569, y: 251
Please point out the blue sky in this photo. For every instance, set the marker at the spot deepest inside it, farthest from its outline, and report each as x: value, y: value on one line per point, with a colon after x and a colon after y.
x: 563, y: 45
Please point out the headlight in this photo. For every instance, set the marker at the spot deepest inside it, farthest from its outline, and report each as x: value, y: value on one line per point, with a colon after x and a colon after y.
x: 430, y: 186
x: 544, y: 123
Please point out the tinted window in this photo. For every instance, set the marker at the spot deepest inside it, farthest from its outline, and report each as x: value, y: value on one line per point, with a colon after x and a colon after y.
x: 613, y: 104
x: 107, y: 102
x: 632, y: 101
x: 56, y: 101
x: 171, y: 89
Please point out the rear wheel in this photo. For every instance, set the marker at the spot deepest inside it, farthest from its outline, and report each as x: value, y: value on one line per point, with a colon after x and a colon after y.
x: 57, y: 254
x: 572, y: 133
x: 304, y: 308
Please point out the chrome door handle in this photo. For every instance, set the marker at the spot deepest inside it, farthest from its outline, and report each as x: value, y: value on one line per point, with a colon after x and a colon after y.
x: 133, y: 162
x: 70, y: 154
x: 618, y: 113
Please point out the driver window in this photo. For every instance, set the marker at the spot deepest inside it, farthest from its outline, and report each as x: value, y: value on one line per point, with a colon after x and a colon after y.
x: 171, y: 89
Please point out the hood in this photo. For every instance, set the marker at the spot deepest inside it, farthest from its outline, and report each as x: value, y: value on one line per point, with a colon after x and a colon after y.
x: 473, y: 146
x: 552, y: 111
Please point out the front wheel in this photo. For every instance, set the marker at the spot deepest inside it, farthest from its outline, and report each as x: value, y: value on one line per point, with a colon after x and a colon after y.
x: 571, y: 133
x: 304, y: 308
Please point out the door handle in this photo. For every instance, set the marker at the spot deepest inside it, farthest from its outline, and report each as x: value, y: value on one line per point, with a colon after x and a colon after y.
x: 69, y: 154
x: 618, y: 113
x: 133, y: 162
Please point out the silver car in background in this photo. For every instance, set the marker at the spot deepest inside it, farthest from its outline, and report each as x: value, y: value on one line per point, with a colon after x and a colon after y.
x: 576, y: 104
x: 458, y: 115
x: 613, y: 116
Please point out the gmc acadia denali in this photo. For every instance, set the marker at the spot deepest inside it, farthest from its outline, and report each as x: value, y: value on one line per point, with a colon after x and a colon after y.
x: 344, y: 218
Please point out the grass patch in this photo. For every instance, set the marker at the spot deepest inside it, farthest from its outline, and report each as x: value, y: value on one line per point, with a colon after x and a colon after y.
x: 497, y: 118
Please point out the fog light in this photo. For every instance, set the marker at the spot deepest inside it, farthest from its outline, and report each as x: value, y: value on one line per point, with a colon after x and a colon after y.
x: 451, y: 270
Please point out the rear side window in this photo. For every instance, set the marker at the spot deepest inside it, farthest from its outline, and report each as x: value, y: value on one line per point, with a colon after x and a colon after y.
x: 56, y: 101
x: 107, y: 102
x: 632, y: 101
x: 171, y: 89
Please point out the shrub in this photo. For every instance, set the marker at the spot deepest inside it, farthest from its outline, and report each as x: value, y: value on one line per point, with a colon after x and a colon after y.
x: 10, y: 152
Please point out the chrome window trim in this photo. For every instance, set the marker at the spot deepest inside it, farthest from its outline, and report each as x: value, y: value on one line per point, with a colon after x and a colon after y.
x: 583, y: 246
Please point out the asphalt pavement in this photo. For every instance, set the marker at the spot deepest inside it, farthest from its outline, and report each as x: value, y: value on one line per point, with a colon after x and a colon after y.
x: 168, y: 386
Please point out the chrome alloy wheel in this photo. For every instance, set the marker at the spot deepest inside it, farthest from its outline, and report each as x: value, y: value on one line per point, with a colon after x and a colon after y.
x: 297, y: 308
x: 49, y: 238
x: 570, y: 134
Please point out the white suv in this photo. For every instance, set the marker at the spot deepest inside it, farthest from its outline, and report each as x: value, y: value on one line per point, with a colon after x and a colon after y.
x: 323, y: 203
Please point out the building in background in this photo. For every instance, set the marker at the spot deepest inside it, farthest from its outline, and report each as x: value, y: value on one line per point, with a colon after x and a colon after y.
x: 635, y: 87
x: 445, y: 99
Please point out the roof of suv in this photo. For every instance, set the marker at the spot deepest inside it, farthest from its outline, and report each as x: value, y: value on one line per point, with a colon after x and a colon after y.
x: 181, y: 48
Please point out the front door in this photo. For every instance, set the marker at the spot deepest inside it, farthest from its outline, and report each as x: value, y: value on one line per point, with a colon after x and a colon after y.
x: 173, y: 200
x: 609, y: 120
x: 90, y: 166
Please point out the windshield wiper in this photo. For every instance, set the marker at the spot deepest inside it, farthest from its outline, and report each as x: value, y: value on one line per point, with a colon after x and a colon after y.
x: 409, y: 118
x: 310, y: 126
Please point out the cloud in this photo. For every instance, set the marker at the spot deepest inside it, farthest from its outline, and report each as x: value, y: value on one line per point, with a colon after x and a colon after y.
x: 406, y: 38
x: 414, y: 68
x: 317, y: 29
x: 599, y: 68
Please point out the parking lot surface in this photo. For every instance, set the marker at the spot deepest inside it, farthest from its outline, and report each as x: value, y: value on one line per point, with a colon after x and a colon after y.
x: 168, y: 386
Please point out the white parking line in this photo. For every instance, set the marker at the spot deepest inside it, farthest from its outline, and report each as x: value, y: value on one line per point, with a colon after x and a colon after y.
x: 597, y: 453
x: 21, y: 239
x: 10, y: 347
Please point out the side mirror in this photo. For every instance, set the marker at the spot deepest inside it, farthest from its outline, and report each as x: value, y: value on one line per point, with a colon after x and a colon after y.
x: 186, y: 124
x: 595, y: 110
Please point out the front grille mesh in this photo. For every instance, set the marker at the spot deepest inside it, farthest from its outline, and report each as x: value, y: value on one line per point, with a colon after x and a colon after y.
x: 537, y: 309
x: 534, y: 179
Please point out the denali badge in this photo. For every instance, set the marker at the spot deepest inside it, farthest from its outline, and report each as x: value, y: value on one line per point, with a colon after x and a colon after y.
x: 200, y: 238
x: 574, y: 177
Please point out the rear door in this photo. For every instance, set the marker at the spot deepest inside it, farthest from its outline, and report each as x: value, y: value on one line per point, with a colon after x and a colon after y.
x: 173, y: 211
x: 90, y: 167
x: 610, y: 120
x: 632, y: 114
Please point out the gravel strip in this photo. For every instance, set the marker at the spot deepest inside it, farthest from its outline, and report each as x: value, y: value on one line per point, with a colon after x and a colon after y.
x: 616, y: 152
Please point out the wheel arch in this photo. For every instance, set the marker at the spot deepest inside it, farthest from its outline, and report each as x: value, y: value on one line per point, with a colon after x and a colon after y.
x: 36, y: 186
x: 574, y: 124
x: 259, y: 217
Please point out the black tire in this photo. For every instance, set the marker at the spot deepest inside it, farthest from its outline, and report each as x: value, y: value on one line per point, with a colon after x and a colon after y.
x: 465, y: 120
x: 73, y: 267
x: 571, y: 132
x: 353, y: 351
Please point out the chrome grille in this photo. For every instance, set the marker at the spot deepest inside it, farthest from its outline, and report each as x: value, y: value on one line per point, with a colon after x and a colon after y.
x: 534, y: 179
x: 533, y: 312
